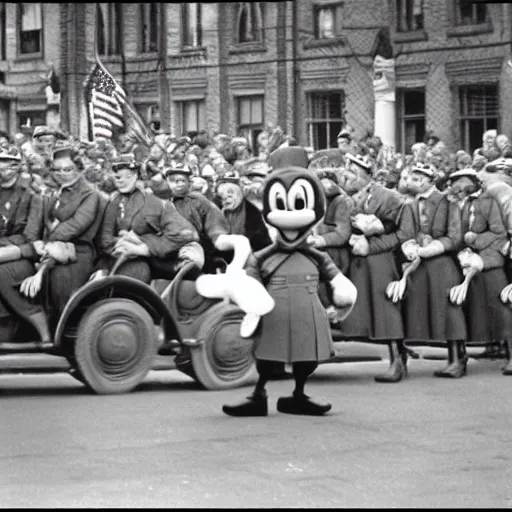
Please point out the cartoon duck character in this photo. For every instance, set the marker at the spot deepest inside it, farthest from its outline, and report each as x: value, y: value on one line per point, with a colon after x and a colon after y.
x: 296, y: 330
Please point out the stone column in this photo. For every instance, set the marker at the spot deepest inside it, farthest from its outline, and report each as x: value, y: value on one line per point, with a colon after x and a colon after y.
x: 385, y: 104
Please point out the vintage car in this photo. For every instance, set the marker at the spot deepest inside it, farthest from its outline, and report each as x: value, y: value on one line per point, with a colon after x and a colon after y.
x: 113, y: 331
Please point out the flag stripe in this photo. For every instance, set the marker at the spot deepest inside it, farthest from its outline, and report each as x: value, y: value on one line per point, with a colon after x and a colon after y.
x: 118, y: 121
x: 102, y: 132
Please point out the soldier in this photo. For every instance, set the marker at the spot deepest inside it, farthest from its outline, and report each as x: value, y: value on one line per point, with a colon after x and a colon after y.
x: 376, y: 236
x: 428, y: 313
x: 206, y: 218
x: 477, y: 217
x: 147, y: 230
x: 21, y: 226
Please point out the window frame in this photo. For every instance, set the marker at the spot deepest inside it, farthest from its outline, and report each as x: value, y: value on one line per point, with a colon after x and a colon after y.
x: 32, y: 55
x: 144, y: 43
x: 239, y: 9
x: 3, y: 31
x: 117, y: 9
x: 181, y: 105
x: 400, y: 6
x: 28, y: 113
x: 251, y: 127
x: 310, y: 121
x: 338, y: 34
x: 464, y: 134
x: 456, y: 14
x: 184, y: 23
x: 402, y: 118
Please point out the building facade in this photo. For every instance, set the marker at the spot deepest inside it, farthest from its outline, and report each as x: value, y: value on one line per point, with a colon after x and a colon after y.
x: 305, y: 65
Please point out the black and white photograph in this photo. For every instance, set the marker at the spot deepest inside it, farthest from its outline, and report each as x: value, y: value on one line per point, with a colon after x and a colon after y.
x: 256, y: 254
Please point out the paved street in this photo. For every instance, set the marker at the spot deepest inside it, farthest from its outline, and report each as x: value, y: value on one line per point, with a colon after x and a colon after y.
x: 425, y: 442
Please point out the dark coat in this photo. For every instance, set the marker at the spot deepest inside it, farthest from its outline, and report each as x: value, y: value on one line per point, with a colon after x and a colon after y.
x: 158, y: 225
x: 207, y: 219
x: 374, y: 316
x: 255, y: 230
x: 428, y: 313
x: 297, y: 329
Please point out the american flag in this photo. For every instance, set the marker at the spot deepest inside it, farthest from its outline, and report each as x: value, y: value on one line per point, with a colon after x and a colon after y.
x: 109, y: 110
x: 105, y: 100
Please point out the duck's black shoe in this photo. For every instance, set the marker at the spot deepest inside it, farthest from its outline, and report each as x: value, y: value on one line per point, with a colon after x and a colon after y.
x: 254, y: 405
x: 301, y: 404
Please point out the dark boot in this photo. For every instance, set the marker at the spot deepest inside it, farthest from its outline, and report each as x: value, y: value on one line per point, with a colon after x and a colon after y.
x: 507, y: 370
x: 397, y: 363
x: 40, y: 322
x: 457, y: 361
x: 254, y: 405
x: 301, y: 404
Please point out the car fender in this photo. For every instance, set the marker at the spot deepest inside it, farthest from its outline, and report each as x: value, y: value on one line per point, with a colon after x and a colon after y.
x: 122, y: 287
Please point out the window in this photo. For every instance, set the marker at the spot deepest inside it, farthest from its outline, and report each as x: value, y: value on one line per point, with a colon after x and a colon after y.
x: 2, y: 31
x: 108, y: 28
x: 249, y: 22
x: 409, y: 15
x: 191, y: 115
x: 467, y: 13
x: 191, y: 25
x: 411, y: 118
x: 149, y: 27
x: 478, y: 112
x: 149, y: 113
x: 31, y: 118
x: 327, y: 21
x: 250, y: 119
x: 325, y: 118
x: 30, y: 28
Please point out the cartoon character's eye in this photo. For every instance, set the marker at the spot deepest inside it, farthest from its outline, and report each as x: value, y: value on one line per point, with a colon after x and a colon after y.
x: 277, y: 197
x: 301, y: 196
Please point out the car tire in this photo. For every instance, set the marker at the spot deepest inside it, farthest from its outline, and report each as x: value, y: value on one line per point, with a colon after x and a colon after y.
x: 223, y: 359
x: 115, y: 347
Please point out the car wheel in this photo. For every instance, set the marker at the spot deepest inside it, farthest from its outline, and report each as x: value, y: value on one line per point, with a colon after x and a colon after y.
x: 115, y: 347
x: 224, y: 359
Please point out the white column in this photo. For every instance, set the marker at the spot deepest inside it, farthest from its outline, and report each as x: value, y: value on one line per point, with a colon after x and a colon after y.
x: 385, y: 105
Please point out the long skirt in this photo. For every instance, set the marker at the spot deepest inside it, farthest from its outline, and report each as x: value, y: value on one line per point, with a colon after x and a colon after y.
x: 487, y: 318
x: 374, y: 317
x: 428, y: 313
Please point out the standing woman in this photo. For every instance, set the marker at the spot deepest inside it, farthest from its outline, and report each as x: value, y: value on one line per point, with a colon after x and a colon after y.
x: 376, y: 237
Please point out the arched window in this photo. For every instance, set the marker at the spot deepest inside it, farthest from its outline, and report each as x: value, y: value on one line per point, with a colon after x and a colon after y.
x: 249, y: 22
x: 30, y: 24
x: 109, y: 28
x: 149, y: 27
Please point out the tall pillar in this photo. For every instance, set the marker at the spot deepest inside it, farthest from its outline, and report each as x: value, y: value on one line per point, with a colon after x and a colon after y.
x: 385, y: 101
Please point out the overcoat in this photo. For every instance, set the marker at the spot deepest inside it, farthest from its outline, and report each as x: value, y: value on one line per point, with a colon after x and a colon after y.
x: 297, y: 329
x: 487, y: 318
x: 374, y: 316
x: 427, y: 311
x: 77, y: 210
x: 157, y: 224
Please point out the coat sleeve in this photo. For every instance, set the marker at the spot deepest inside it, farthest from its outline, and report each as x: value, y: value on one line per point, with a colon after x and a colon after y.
x: 453, y: 240
x: 176, y: 231
x: 340, y: 235
x: 214, y: 222
x: 439, y: 224
x: 388, y: 241
x: 79, y: 222
x: 407, y: 225
x: 252, y: 268
x: 326, y: 267
x: 496, y: 232
x: 108, y: 238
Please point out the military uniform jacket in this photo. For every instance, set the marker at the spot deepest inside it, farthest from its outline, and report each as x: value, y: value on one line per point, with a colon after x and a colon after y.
x: 21, y: 217
x: 157, y: 223
x: 336, y: 228
x: 72, y: 214
x: 480, y: 214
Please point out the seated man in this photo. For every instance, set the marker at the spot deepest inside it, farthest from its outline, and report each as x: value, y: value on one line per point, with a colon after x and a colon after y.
x: 208, y: 220
x: 147, y: 231
x: 20, y: 225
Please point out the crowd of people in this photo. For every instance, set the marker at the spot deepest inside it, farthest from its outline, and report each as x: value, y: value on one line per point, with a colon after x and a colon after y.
x: 423, y: 236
